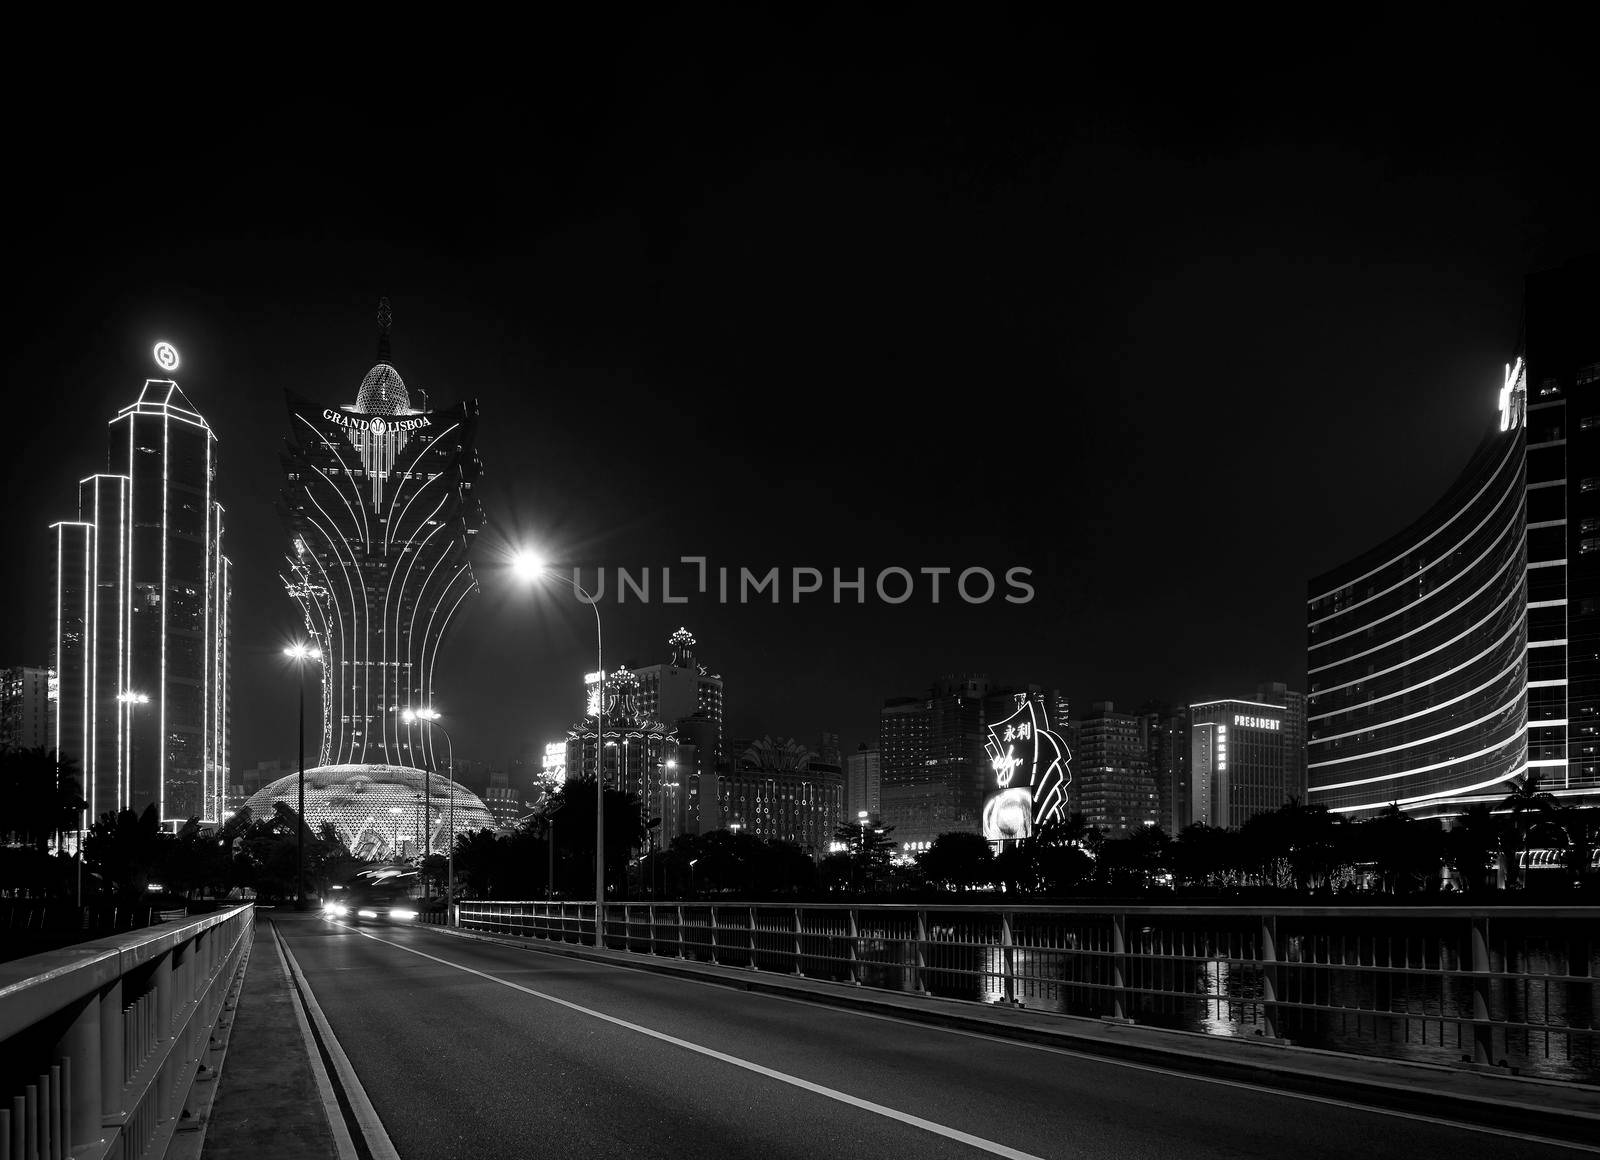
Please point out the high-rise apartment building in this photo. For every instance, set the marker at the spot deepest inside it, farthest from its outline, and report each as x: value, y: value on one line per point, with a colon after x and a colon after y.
x: 1166, y: 735
x: 863, y: 783
x: 142, y: 617
x: 907, y: 794
x: 27, y: 711
x: 1112, y: 783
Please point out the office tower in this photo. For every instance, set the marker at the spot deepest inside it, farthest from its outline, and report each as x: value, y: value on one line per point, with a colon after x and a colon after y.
x: 142, y: 617
x: 906, y: 794
x: 1166, y: 735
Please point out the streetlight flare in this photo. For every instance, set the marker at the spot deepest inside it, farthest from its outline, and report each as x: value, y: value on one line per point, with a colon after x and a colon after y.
x: 302, y: 651
x: 528, y: 565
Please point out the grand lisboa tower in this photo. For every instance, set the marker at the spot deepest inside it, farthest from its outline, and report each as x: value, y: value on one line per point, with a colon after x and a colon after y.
x: 379, y: 505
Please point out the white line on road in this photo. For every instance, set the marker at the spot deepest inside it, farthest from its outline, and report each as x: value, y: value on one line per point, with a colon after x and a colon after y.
x: 330, y: 1102
x: 948, y: 1133
x: 378, y: 1142
x: 1110, y: 1061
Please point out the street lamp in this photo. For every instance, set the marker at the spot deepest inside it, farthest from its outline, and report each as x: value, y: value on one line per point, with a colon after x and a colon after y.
x: 300, y: 653
x: 530, y: 567
x: 431, y: 716
x: 692, y: 861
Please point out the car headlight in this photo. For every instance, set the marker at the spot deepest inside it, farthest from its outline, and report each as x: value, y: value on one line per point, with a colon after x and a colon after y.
x: 402, y: 914
x: 367, y: 913
x: 335, y: 908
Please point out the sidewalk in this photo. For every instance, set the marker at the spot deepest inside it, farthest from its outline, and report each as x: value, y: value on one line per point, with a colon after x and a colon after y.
x: 267, y: 1101
x: 1427, y: 1088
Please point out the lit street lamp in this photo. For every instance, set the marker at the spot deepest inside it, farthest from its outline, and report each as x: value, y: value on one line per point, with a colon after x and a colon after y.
x: 531, y: 567
x: 431, y: 716
x: 300, y: 653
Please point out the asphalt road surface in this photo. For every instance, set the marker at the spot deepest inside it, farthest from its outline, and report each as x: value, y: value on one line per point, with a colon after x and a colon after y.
x: 469, y: 1049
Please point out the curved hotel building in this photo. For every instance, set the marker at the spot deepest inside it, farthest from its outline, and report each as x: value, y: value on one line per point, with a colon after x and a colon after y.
x: 1461, y: 653
x: 381, y: 513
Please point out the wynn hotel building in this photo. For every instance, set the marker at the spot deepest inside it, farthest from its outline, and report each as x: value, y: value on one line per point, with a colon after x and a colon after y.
x: 1462, y: 653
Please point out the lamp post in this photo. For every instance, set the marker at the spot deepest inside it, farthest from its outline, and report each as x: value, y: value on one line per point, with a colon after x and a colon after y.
x: 531, y: 567
x: 300, y: 653
x: 431, y: 716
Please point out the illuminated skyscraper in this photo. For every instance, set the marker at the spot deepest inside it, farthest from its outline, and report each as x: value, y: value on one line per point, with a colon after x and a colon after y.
x: 681, y: 687
x: 381, y: 514
x: 142, y: 627
x: 1114, y: 787
x: 1464, y: 652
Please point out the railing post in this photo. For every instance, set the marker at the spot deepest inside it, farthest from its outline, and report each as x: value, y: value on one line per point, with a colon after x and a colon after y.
x: 713, y: 933
x: 855, y: 928
x: 113, y: 1051
x: 1008, y: 977
x: 798, y: 951
x: 1119, y: 979
x: 80, y: 1049
x: 752, y: 919
x: 921, y: 980
x: 1267, y: 957
x: 680, y: 931
x: 1482, y: 1028
x: 650, y: 911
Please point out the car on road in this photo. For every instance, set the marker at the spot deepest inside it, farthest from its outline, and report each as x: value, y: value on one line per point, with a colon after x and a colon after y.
x: 373, y: 898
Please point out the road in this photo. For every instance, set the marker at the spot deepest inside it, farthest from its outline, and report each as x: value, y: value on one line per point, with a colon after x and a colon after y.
x: 470, y: 1049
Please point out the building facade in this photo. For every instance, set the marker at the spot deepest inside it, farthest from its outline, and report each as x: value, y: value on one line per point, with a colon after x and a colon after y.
x: 781, y: 791
x: 1238, y: 766
x: 681, y: 687
x: 1462, y: 653
x: 863, y: 783
x: 381, y: 513
x: 142, y: 593
x: 27, y: 710
x: 1166, y: 737
x: 1114, y: 788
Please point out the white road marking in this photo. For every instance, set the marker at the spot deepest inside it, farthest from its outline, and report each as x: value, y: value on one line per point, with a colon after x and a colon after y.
x: 378, y: 1142
x: 948, y: 1133
x: 1154, y: 1069
x: 345, y: 1146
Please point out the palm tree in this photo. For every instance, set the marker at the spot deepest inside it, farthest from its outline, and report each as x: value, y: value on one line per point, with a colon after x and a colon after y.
x: 1528, y: 806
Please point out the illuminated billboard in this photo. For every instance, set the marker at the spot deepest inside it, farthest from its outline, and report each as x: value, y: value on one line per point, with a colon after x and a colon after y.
x: 1029, y: 761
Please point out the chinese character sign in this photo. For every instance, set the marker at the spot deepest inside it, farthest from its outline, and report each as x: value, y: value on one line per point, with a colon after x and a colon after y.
x: 1030, y: 765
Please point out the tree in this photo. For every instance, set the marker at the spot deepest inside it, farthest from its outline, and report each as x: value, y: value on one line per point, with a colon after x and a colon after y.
x: 40, y: 790
x: 1470, y: 844
x: 958, y: 861
x: 1528, y: 804
x: 125, y: 850
x: 870, y: 849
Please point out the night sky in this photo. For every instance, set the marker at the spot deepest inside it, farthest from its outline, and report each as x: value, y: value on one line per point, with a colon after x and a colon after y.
x: 1175, y: 323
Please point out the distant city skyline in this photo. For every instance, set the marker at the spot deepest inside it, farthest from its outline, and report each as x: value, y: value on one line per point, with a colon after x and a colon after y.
x: 912, y: 310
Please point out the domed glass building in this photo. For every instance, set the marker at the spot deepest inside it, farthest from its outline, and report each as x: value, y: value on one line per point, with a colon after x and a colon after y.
x: 378, y: 810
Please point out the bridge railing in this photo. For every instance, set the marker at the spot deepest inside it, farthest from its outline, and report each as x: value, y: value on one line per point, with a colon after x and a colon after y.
x: 1516, y: 987
x: 103, y: 1041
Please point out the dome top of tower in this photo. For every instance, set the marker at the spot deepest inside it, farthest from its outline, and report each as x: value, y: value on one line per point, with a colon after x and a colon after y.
x: 383, y: 392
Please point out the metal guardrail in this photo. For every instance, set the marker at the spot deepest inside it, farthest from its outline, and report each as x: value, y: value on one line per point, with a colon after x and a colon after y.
x: 103, y: 1041
x: 1511, y: 987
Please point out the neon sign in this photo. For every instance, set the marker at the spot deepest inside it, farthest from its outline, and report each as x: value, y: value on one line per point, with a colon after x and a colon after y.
x: 1029, y: 761
x: 1513, y: 396
x: 1250, y: 722
x: 166, y: 356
